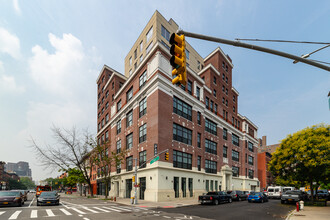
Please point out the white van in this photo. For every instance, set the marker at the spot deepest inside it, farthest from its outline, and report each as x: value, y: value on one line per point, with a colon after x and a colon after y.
x: 287, y: 188
x: 274, y: 192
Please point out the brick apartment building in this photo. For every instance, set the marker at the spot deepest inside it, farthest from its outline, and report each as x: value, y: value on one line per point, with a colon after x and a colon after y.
x: 211, y: 145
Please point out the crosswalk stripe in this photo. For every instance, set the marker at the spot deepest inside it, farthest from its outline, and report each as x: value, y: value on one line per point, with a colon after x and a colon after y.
x: 15, y: 215
x: 77, y: 210
x: 103, y: 210
x: 65, y: 212
x: 49, y: 212
x: 121, y: 208
x: 116, y: 210
x: 91, y: 210
x: 34, y: 214
x: 1, y: 213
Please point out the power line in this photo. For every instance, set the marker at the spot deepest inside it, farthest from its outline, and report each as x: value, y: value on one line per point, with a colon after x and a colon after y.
x: 282, y: 41
x: 320, y: 61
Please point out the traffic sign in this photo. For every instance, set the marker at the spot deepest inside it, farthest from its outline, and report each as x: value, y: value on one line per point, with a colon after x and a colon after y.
x: 154, y: 160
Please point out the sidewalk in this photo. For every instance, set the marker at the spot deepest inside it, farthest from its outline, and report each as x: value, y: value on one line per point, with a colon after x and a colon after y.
x: 311, y: 212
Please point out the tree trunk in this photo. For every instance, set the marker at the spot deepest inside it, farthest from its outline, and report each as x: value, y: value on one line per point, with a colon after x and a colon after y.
x: 106, y: 189
x: 80, y: 188
x: 312, y: 191
x: 91, y: 189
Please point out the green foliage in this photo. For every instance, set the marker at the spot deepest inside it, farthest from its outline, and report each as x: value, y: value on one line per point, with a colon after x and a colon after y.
x: 303, y: 157
x: 27, y: 182
x: 74, y: 176
x: 14, y: 184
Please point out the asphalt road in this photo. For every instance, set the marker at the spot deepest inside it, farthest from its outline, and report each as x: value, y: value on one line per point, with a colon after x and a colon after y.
x: 237, y: 210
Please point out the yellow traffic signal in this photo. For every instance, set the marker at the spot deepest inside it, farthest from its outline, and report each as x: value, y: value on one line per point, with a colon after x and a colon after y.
x: 133, y: 179
x: 166, y: 156
x: 178, y: 59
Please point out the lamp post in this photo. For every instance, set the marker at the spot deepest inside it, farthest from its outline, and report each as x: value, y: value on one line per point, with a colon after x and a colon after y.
x: 307, y: 55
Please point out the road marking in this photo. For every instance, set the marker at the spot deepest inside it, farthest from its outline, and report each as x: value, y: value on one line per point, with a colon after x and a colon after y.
x: 141, y: 208
x: 116, y: 210
x: 86, y: 218
x: 77, y: 210
x: 64, y: 205
x: 120, y: 208
x: 166, y: 216
x: 49, y: 212
x: 65, y: 212
x: 31, y: 202
x: 34, y: 214
x: 91, y: 210
x: 15, y: 215
x: 1, y: 213
x: 103, y: 210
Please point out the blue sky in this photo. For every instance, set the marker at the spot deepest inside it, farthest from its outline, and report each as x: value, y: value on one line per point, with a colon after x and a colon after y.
x: 51, y: 53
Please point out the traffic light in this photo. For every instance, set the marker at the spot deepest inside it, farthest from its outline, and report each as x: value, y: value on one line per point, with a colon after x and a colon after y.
x: 178, y: 59
x: 133, y: 179
x: 166, y: 156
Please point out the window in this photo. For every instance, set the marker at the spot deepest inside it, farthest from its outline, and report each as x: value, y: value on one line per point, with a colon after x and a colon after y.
x: 198, y: 91
x: 234, y: 110
x: 130, y: 64
x: 129, y: 141
x: 215, y: 93
x: 199, y: 140
x: 106, y: 118
x: 214, y: 80
x: 183, y: 87
x: 234, y: 98
x: 141, y: 58
x: 165, y: 45
x: 235, y: 140
x: 129, y: 118
x: 223, y: 100
x: 223, y: 76
x: 182, y: 134
x: 189, y: 87
x: 187, y: 54
x: 130, y: 72
x: 143, y: 79
x: 107, y: 93
x: 106, y: 136
x: 199, y: 118
x: 251, y: 174
x: 223, y: 65
x: 210, y: 146
x: 226, y: 91
x: 223, y: 88
x: 199, y: 158
x: 181, y: 108
x: 135, y: 54
x: 143, y: 159
x: 112, y: 97
x: 143, y: 107
x: 135, y: 66
x: 235, y: 156
x: 207, y: 102
x: 182, y: 160
x: 210, y: 126
x: 143, y: 133
x: 210, y: 166
x: 227, y: 80
x: 198, y: 65
x: 211, y: 106
x: 235, y: 171
x: 250, y: 160
x: 149, y: 47
x: 129, y: 94
x: 207, y: 185
x: 118, y: 144
x: 215, y: 108
x: 118, y: 126
x: 129, y: 163
x: 118, y: 105
x: 225, y: 149
x: 118, y: 168
x: 226, y: 102
x: 149, y: 34
x: 107, y: 105
x: 165, y: 33
x: 250, y: 146
x: 141, y: 46
x: 120, y: 85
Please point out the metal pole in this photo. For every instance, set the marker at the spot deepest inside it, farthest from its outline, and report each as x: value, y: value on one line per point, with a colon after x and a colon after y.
x: 254, y: 47
x: 135, y: 182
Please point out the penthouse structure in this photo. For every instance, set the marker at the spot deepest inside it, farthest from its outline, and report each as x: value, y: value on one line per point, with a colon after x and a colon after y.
x: 211, y: 146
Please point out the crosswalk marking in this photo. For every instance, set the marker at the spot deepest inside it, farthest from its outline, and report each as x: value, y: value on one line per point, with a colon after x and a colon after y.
x: 120, y: 208
x: 91, y: 210
x: 77, y: 210
x: 34, y: 214
x: 49, y: 212
x: 1, y: 213
x: 103, y: 210
x: 15, y: 215
x: 65, y: 212
x: 116, y: 210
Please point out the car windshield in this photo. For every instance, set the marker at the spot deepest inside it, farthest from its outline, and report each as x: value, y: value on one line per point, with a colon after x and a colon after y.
x: 270, y: 190
x: 292, y: 192
x: 12, y: 193
x: 47, y: 194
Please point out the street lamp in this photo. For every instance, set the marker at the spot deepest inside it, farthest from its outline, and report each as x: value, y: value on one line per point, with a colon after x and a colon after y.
x: 307, y: 55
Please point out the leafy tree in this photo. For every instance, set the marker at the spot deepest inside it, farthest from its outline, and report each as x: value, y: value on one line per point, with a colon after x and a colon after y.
x: 71, y: 150
x: 15, y: 184
x: 105, y: 159
x: 27, y: 182
x: 304, y: 157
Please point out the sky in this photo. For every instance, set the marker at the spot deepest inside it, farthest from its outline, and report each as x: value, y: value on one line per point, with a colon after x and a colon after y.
x: 51, y: 53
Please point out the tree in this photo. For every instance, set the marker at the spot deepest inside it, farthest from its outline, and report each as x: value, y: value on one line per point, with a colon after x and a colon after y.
x: 15, y: 184
x: 304, y: 157
x: 105, y: 160
x: 27, y: 182
x: 71, y: 150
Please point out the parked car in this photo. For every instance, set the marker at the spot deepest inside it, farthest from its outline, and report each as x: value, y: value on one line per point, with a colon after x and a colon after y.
x: 293, y: 196
x: 48, y: 198
x: 24, y: 193
x: 274, y: 192
x: 258, y: 197
x: 11, y: 198
x: 237, y: 195
x: 323, y: 194
x: 287, y: 188
x: 215, y: 198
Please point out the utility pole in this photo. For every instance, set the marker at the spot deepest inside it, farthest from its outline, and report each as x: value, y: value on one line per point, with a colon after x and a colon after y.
x: 135, y: 182
x: 254, y: 47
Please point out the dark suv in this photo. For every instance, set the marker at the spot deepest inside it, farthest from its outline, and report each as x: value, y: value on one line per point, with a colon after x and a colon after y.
x: 237, y: 195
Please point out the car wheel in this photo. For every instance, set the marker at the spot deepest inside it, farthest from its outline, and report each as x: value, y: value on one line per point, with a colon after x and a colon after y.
x: 239, y: 199
x: 38, y: 204
x: 216, y: 202
x: 230, y: 200
x: 282, y: 201
x: 262, y: 200
x: 249, y: 201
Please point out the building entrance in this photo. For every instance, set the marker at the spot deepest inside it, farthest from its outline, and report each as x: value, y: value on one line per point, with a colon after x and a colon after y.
x: 128, y: 188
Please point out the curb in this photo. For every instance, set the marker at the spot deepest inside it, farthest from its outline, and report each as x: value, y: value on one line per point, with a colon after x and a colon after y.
x: 290, y: 214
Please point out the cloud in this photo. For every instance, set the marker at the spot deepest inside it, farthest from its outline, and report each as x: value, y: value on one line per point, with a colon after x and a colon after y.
x: 16, y: 7
x: 8, y: 83
x: 9, y: 43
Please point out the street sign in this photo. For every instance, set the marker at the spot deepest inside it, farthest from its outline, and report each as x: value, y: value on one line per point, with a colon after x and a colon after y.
x: 154, y: 160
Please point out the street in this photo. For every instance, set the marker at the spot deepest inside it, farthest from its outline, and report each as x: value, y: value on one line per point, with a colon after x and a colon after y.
x: 75, y: 207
